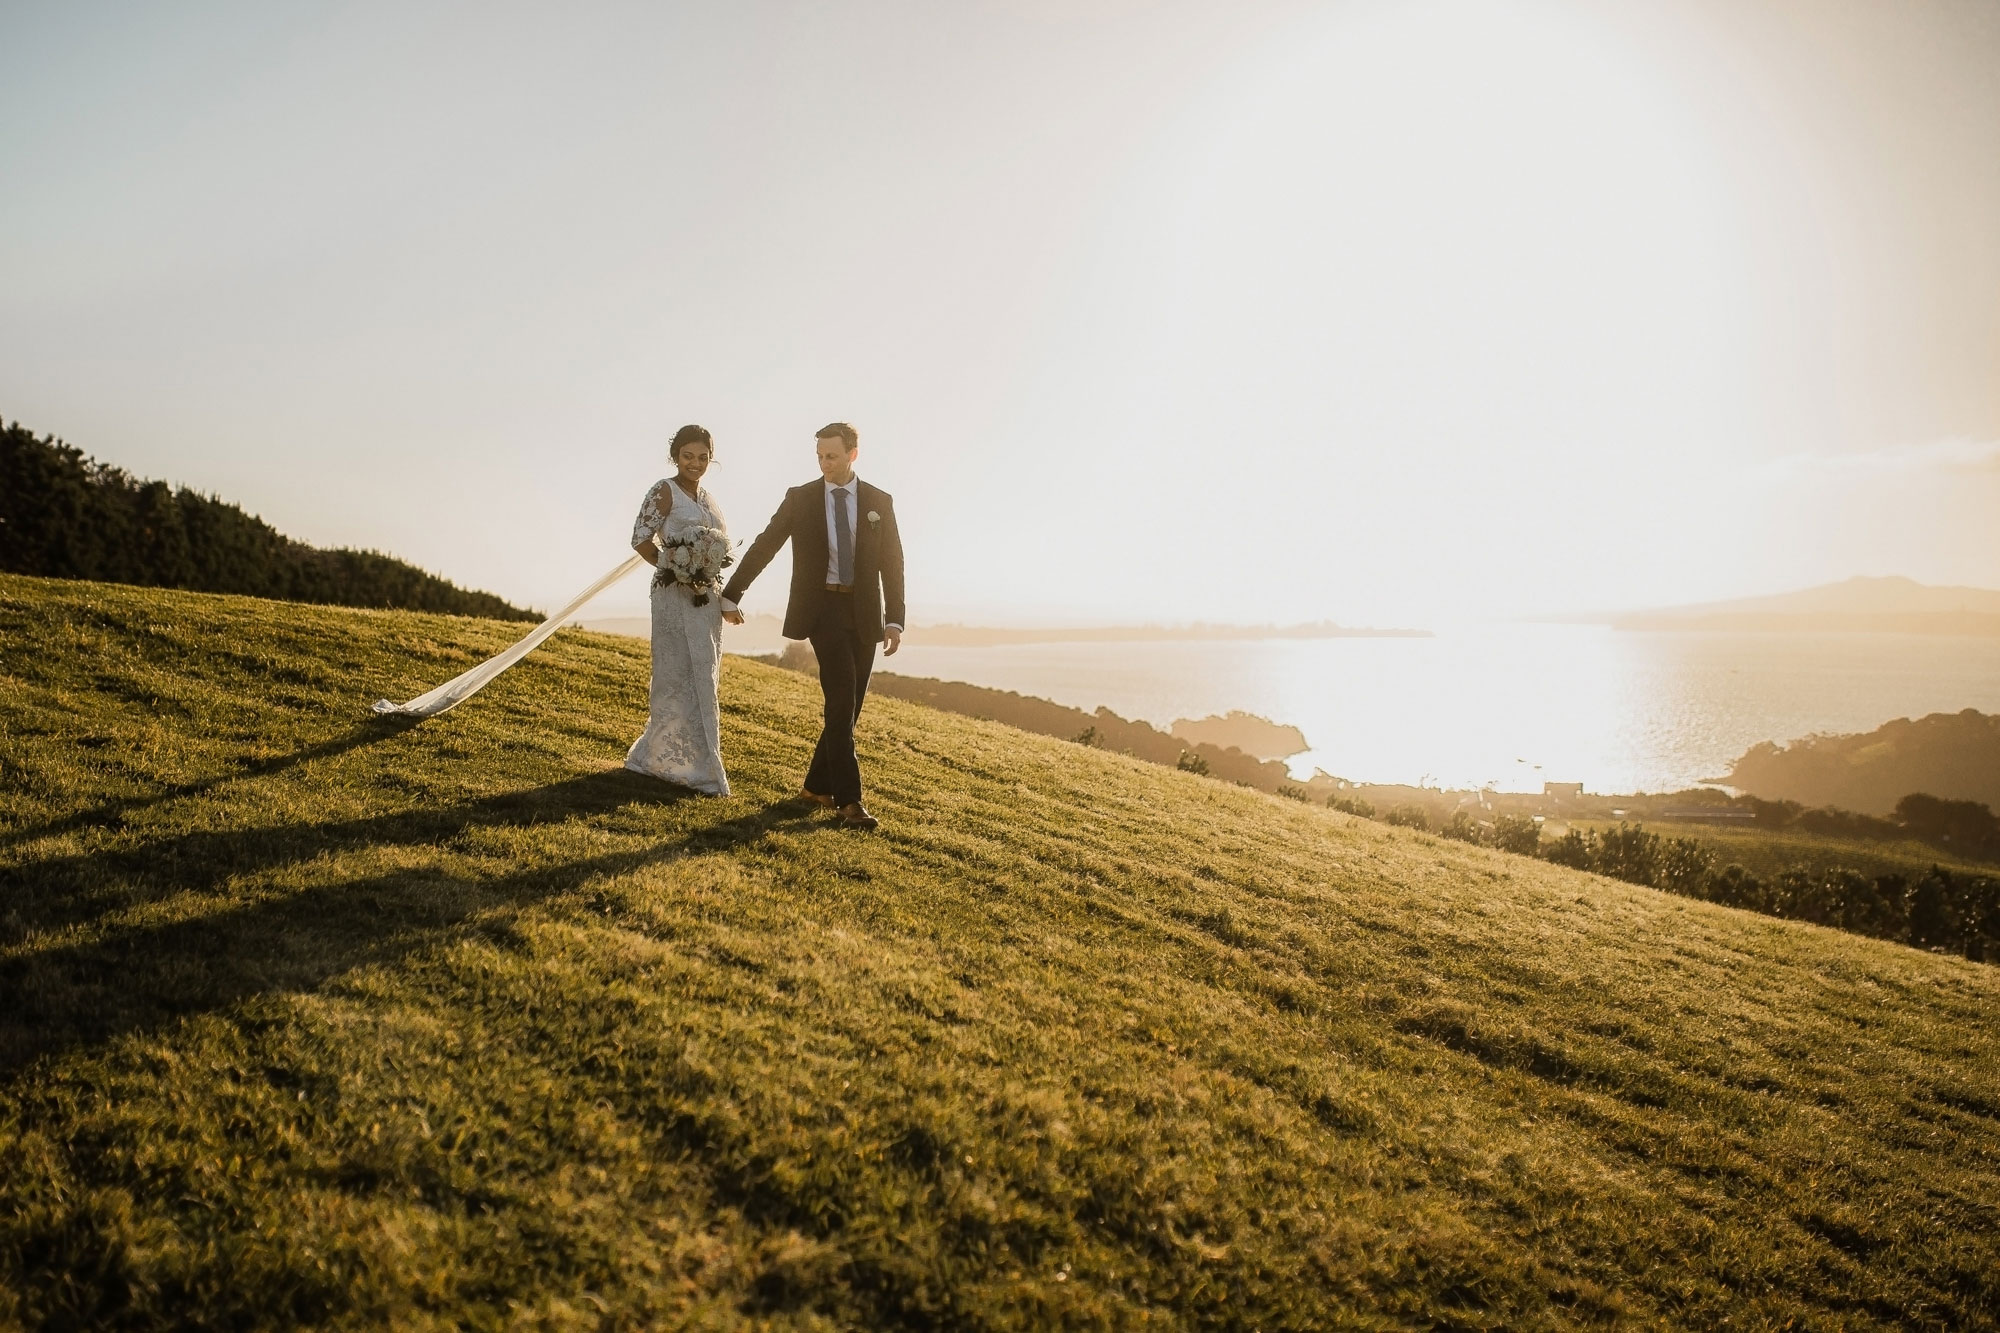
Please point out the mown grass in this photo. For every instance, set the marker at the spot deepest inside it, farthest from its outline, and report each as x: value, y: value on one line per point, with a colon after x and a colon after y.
x: 314, y: 1020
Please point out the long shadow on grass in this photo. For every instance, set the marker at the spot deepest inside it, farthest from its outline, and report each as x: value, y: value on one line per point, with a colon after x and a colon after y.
x: 115, y: 811
x: 58, y: 891
x: 145, y: 976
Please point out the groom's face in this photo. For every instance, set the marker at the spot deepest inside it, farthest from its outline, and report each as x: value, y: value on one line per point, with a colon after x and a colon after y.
x: 835, y: 463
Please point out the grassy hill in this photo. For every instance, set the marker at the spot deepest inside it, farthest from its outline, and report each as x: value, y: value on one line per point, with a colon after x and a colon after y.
x: 315, y: 1020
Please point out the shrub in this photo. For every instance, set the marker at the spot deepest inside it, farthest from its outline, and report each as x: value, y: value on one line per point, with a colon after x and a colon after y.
x: 1629, y: 853
x: 1682, y: 866
x: 1408, y: 816
x: 1735, y: 887
x: 1575, y: 849
x: 1462, y: 827
x: 1293, y: 792
x: 1834, y: 823
x: 1929, y: 909
x: 1840, y: 897
x: 1190, y: 762
x: 1519, y: 834
x: 1772, y: 814
x: 1979, y: 919
x: 1968, y: 825
x: 1350, y: 805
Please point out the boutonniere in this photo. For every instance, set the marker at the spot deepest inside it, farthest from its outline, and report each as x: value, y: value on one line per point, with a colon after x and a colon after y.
x: 874, y: 520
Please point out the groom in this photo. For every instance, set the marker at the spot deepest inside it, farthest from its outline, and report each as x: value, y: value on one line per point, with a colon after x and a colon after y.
x: 847, y: 596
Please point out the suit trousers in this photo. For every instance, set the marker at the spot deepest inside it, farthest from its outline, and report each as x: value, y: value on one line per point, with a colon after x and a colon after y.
x: 844, y: 665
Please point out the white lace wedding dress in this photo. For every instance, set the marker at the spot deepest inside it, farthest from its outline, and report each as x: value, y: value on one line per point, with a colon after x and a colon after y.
x: 683, y: 738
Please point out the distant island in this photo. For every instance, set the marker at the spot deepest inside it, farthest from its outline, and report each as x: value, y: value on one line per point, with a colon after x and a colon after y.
x: 975, y: 636
x: 1892, y: 605
x: 1256, y: 736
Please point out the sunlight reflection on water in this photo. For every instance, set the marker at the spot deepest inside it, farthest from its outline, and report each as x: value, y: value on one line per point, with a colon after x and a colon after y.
x: 1509, y: 705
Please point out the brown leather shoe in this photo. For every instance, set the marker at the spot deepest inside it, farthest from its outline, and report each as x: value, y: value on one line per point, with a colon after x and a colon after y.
x: 853, y: 815
x: 823, y: 802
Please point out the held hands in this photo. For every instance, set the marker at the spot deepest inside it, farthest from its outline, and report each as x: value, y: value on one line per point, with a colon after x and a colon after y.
x: 895, y: 638
x: 733, y: 617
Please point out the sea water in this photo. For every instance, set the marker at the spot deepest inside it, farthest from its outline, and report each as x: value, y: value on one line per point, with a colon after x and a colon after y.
x: 1508, y: 705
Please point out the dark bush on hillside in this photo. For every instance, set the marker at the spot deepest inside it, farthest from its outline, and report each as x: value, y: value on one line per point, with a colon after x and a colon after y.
x: 1969, y: 825
x: 1838, y: 897
x: 1631, y: 853
x: 1682, y: 865
x: 1350, y: 805
x: 1575, y: 849
x: 1927, y: 910
x: 1518, y: 834
x: 1462, y: 827
x: 1733, y: 886
x: 1771, y: 814
x: 1408, y: 816
x: 63, y: 515
x: 1626, y: 853
x: 1833, y: 823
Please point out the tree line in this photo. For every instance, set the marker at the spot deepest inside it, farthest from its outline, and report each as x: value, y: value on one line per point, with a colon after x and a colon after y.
x: 66, y: 515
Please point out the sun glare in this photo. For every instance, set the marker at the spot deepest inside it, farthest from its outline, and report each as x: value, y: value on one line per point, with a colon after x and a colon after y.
x: 1476, y: 249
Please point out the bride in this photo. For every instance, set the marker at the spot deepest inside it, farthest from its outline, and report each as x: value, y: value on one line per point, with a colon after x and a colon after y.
x: 683, y: 738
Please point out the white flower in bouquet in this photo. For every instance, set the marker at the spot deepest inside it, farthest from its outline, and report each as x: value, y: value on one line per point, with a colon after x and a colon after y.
x: 695, y: 560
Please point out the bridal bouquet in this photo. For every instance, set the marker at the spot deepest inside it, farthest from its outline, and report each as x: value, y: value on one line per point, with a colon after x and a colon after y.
x: 695, y: 560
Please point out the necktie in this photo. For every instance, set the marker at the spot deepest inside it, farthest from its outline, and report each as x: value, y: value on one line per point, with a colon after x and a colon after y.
x: 843, y: 537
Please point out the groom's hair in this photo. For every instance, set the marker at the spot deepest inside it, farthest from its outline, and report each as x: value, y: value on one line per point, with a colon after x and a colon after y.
x: 839, y: 430
x: 689, y: 435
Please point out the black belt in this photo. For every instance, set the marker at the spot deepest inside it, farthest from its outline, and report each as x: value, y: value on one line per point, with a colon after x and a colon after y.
x: 840, y: 587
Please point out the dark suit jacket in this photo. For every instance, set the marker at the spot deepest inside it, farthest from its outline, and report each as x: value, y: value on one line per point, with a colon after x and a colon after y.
x: 878, y: 559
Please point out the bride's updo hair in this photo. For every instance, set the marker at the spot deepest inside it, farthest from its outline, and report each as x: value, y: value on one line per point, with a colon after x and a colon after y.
x: 689, y: 435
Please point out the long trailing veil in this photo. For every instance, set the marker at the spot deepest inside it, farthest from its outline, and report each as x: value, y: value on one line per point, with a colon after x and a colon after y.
x: 462, y: 687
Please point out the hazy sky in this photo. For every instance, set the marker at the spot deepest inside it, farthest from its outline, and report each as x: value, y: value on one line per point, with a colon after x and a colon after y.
x: 1378, y: 312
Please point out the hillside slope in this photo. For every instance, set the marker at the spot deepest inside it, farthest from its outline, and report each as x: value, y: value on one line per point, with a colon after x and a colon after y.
x: 314, y: 1020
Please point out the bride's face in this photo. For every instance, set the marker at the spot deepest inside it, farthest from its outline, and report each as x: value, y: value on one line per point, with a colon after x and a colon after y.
x: 693, y: 460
